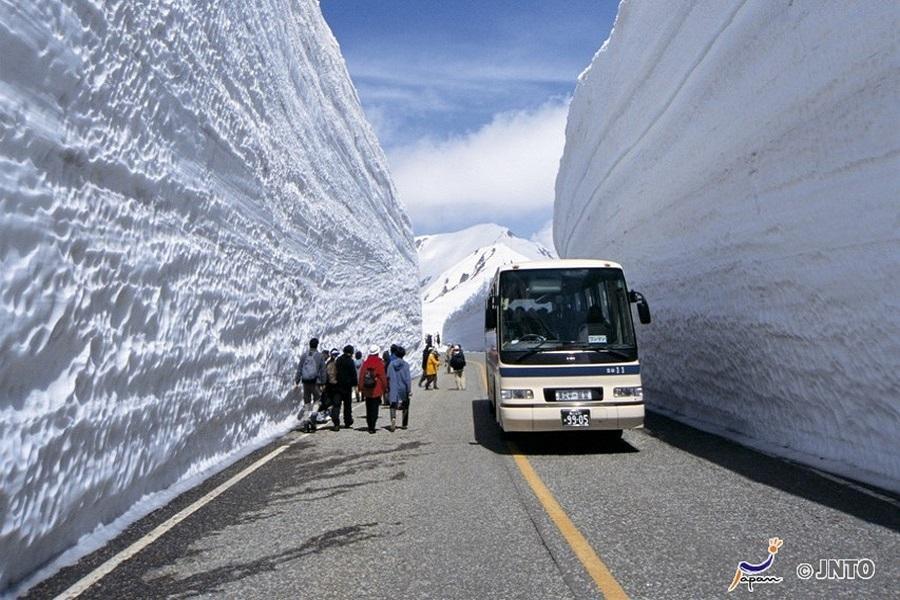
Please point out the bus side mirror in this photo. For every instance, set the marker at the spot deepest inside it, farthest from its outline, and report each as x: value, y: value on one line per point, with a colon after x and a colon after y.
x: 642, y: 306
x: 490, y: 313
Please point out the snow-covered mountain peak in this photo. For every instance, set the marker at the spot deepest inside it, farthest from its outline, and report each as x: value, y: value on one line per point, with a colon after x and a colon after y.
x: 440, y: 252
x: 455, y: 269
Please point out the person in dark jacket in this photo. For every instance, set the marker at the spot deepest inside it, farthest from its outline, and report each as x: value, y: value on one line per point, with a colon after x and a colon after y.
x: 347, y: 377
x: 386, y: 358
x: 458, y: 363
x: 310, y: 373
x: 399, y: 387
x: 425, y: 354
x: 372, y: 385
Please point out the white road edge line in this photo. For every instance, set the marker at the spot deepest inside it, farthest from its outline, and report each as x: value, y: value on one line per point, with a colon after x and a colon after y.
x: 110, y: 565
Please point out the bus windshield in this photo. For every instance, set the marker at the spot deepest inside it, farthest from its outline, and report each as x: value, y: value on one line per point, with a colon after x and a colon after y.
x: 565, y: 309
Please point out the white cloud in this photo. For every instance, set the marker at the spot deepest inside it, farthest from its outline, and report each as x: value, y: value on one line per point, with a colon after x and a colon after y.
x: 544, y: 236
x: 499, y: 172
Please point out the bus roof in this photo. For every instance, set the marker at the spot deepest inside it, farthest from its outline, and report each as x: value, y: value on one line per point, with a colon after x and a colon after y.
x: 561, y: 263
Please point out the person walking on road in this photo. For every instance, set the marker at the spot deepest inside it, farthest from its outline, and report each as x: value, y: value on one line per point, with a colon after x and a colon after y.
x: 399, y: 387
x: 331, y: 404
x: 386, y: 358
x: 310, y: 373
x: 372, y: 385
x: 425, y: 354
x: 458, y: 363
x: 347, y: 376
x: 431, y: 369
x: 357, y: 362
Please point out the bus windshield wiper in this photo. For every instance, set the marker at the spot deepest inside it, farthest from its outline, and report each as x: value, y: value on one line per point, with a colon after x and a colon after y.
x: 534, y: 350
x: 607, y: 350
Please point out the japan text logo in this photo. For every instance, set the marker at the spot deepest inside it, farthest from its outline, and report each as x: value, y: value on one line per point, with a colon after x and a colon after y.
x: 751, y: 573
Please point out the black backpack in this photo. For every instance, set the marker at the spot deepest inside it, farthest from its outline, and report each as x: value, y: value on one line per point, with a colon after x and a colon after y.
x: 369, y: 379
x: 457, y: 361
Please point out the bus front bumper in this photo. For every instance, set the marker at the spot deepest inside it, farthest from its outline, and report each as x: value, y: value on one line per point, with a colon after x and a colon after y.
x: 549, y: 417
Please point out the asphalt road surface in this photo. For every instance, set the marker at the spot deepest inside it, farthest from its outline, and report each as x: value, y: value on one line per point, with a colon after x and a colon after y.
x: 446, y: 510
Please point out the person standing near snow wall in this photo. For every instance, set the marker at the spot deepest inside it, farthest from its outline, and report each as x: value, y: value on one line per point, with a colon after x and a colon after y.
x: 372, y: 385
x: 347, y: 375
x: 311, y: 373
x: 399, y: 387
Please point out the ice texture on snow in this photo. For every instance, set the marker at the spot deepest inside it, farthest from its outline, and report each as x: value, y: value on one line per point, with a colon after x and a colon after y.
x: 455, y: 270
x: 187, y: 191
x: 742, y: 160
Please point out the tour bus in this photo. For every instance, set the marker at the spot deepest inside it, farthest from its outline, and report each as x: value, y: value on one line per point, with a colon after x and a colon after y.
x: 561, y: 350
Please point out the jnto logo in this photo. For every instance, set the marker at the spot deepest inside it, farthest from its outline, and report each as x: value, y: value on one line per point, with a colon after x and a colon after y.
x: 750, y: 573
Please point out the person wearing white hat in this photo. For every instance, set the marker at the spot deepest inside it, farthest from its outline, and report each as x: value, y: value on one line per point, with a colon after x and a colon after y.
x: 372, y: 385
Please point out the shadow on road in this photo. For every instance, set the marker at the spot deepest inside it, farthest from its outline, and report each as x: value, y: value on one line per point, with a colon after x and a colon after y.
x: 488, y: 434
x: 773, y: 472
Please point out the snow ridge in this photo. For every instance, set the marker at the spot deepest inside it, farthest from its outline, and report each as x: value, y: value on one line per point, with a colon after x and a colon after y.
x: 455, y: 270
x: 189, y: 191
x: 744, y: 168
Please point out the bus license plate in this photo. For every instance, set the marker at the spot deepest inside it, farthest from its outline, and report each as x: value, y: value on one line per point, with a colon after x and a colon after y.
x: 572, y: 395
x: 576, y: 417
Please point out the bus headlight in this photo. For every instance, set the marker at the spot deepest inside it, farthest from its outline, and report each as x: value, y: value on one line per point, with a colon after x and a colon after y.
x: 635, y: 392
x: 516, y: 395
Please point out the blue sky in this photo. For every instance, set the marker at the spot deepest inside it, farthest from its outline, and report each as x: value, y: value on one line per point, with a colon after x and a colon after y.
x: 469, y: 98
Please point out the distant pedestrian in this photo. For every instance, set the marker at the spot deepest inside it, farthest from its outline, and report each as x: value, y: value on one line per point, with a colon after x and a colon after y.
x: 347, y: 378
x: 310, y: 373
x: 399, y: 387
x: 458, y: 363
x: 357, y: 362
x: 386, y: 358
x: 372, y: 384
x: 425, y: 354
x: 431, y: 370
x: 330, y: 402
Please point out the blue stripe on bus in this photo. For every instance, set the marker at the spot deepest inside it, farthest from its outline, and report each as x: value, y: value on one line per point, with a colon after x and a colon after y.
x: 592, y: 370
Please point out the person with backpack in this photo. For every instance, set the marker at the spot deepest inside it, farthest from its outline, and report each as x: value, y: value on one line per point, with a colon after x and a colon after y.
x: 458, y: 363
x: 345, y: 381
x: 399, y: 387
x: 310, y: 373
x: 372, y: 385
x: 357, y: 362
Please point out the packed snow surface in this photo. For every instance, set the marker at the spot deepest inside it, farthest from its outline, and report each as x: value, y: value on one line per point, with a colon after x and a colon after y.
x: 455, y: 270
x: 188, y: 192
x: 742, y: 160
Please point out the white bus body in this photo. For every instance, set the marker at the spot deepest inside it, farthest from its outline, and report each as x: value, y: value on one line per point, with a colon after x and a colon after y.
x: 560, y: 346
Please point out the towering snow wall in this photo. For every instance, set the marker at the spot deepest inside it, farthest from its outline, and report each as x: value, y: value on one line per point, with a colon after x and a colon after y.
x: 742, y: 160
x: 187, y: 191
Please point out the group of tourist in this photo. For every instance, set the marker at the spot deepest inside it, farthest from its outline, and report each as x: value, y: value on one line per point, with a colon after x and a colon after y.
x: 431, y: 362
x: 330, y: 379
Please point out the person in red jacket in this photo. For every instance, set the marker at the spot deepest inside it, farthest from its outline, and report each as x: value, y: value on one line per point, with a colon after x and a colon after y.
x: 372, y: 384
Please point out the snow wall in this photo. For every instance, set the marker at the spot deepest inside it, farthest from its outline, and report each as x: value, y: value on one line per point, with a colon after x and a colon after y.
x: 742, y: 160
x: 188, y: 192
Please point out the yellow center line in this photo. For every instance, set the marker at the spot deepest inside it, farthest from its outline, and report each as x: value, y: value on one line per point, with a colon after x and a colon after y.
x: 595, y: 567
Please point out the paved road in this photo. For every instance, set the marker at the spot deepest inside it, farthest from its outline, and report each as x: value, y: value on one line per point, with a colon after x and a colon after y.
x: 442, y: 510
